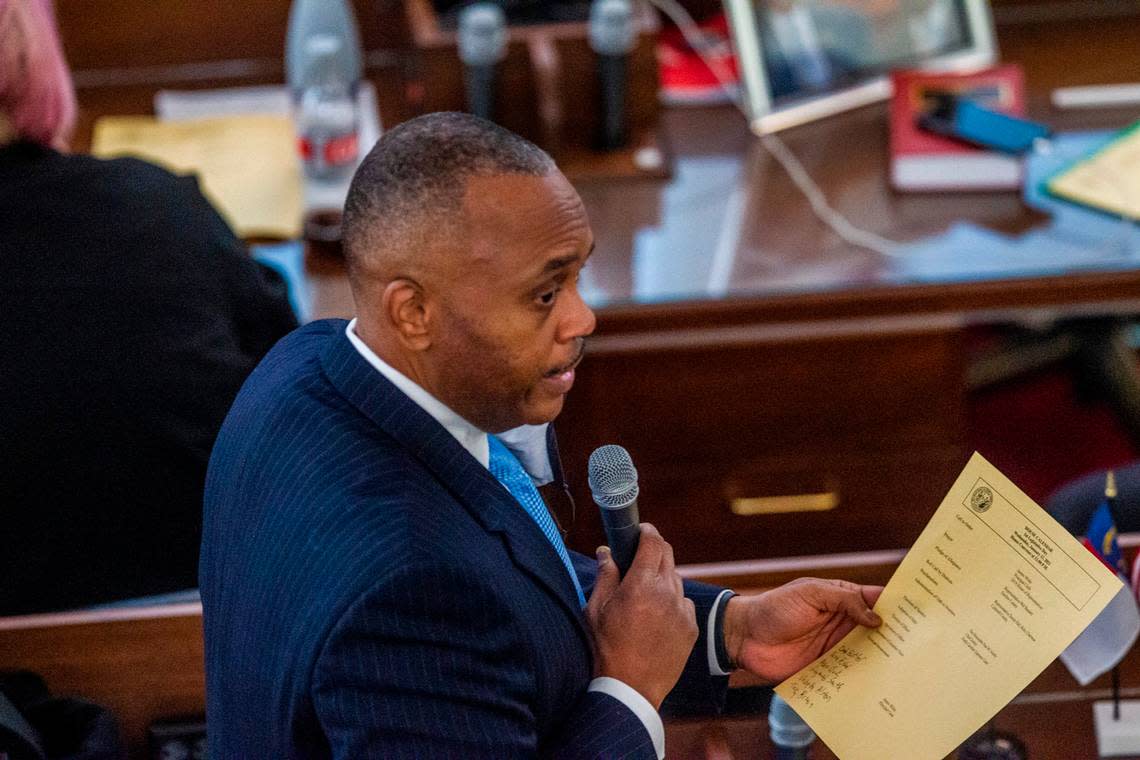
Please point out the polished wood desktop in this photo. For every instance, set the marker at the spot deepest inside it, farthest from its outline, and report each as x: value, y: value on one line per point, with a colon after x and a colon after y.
x: 783, y: 392
x: 776, y: 385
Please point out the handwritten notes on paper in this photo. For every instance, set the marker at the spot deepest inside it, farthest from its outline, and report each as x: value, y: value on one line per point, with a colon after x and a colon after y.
x: 987, y: 597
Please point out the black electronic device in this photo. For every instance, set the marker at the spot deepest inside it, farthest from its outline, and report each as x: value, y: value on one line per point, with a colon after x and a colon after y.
x: 612, y: 36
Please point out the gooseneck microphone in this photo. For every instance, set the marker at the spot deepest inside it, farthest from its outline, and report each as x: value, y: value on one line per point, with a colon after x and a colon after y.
x: 612, y: 38
x: 482, y: 44
x: 613, y: 483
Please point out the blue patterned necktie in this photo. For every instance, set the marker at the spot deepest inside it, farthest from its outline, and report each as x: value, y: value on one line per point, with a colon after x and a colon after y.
x: 509, y: 471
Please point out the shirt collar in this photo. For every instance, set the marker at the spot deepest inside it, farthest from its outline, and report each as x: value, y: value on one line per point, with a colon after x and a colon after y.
x: 528, y: 442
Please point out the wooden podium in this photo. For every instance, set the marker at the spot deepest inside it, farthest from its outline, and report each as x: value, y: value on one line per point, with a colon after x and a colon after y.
x: 548, y: 91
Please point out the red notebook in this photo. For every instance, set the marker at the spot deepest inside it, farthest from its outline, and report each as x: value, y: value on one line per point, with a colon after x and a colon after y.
x: 921, y: 160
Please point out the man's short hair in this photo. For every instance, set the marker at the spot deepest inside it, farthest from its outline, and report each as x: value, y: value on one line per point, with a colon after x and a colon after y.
x: 410, y: 187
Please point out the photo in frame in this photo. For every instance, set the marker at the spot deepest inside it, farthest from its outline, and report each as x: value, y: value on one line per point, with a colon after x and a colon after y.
x: 801, y: 60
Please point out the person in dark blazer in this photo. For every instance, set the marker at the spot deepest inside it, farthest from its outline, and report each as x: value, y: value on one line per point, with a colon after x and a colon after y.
x: 131, y: 316
x: 379, y: 576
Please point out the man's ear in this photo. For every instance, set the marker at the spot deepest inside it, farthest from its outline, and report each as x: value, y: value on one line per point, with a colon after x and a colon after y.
x: 405, y: 305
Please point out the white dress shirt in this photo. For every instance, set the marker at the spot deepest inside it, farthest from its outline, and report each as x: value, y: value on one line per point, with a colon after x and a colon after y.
x: 528, y: 443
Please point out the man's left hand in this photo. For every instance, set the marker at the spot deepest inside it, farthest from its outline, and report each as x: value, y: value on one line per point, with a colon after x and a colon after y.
x: 775, y: 634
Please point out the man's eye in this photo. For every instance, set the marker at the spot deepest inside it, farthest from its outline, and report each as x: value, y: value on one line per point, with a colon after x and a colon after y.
x: 547, y: 298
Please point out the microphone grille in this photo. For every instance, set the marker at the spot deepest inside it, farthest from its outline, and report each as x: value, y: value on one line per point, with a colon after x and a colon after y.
x: 613, y: 479
x: 611, y: 30
x: 482, y: 37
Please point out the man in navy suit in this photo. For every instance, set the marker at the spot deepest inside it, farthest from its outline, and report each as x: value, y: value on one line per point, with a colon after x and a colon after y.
x: 379, y: 577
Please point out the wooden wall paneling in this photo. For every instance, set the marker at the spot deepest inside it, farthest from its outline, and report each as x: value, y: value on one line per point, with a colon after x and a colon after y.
x: 855, y: 415
x: 132, y: 34
x: 143, y: 664
x: 516, y: 105
x: 547, y: 89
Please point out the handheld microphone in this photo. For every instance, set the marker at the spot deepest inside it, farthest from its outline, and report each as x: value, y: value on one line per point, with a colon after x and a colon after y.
x: 612, y: 38
x: 482, y: 44
x: 613, y: 483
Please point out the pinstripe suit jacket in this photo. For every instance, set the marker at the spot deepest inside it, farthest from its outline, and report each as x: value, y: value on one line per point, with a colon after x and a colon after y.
x: 370, y: 590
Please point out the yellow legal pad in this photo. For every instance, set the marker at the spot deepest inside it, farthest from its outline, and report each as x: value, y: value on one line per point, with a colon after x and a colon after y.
x: 1108, y: 180
x: 246, y: 165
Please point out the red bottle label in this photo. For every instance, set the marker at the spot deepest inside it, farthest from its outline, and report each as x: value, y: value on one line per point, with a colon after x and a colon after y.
x: 341, y: 150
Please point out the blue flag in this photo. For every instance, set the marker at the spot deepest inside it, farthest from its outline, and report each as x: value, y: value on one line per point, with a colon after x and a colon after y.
x: 1100, y: 539
x: 1113, y: 632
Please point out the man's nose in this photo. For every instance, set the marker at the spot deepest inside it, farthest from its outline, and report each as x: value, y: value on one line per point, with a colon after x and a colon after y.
x: 581, y: 321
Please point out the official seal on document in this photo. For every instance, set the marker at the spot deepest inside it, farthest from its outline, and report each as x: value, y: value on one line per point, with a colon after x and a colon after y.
x: 981, y: 499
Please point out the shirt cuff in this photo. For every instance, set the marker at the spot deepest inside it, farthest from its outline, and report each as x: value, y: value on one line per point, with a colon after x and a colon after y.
x: 714, y: 666
x: 638, y: 704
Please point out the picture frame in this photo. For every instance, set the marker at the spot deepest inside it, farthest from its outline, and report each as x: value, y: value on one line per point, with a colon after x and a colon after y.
x: 802, y: 60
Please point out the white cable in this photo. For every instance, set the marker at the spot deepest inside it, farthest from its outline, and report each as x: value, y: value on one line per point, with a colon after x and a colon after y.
x: 837, y: 222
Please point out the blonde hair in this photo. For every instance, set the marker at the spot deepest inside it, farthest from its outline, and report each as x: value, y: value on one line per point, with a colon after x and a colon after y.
x: 36, y: 93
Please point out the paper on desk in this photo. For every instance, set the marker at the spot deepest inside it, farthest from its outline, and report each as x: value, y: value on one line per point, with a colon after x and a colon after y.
x: 179, y: 105
x: 987, y: 597
x: 247, y: 165
x: 1109, y: 179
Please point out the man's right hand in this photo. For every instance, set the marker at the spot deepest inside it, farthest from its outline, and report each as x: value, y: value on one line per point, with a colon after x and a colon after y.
x: 644, y: 627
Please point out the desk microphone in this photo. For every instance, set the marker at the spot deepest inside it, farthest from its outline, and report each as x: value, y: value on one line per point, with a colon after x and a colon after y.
x: 482, y: 44
x: 613, y: 483
x: 791, y: 736
x: 612, y: 38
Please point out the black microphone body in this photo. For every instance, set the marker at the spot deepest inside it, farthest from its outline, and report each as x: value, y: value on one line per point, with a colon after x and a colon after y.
x: 623, y: 529
x: 480, y: 85
x: 613, y: 483
x: 613, y: 79
x: 612, y: 36
x: 482, y: 43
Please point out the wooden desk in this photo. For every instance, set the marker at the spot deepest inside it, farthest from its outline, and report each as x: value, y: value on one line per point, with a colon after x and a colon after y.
x: 143, y: 664
x: 746, y: 356
x: 745, y: 352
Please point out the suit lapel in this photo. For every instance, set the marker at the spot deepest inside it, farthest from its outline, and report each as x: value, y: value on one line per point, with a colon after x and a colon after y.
x: 468, y: 480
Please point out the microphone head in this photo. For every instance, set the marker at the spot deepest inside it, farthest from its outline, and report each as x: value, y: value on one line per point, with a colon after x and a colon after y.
x: 612, y: 29
x: 788, y: 729
x: 482, y: 34
x: 613, y: 479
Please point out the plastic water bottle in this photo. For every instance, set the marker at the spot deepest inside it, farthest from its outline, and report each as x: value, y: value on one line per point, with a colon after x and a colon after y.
x: 327, y: 121
x: 791, y: 737
x: 323, y: 68
x: 309, y: 18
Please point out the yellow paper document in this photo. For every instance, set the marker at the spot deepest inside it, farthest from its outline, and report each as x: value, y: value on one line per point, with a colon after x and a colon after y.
x: 987, y: 597
x: 1109, y: 179
x: 246, y: 165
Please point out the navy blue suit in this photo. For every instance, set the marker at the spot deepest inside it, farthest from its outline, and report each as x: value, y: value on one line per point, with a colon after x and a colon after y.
x: 370, y: 590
